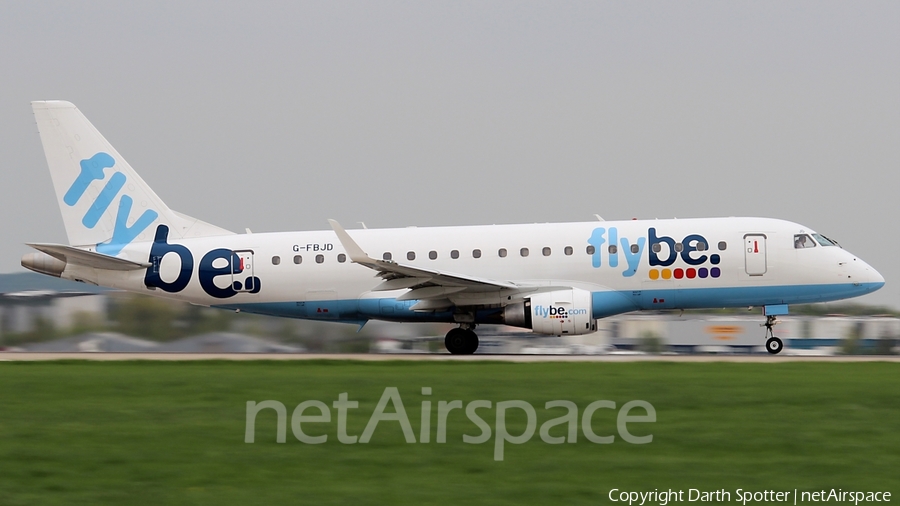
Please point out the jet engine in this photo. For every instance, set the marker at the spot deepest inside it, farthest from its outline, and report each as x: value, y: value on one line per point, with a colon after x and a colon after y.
x: 561, y: 312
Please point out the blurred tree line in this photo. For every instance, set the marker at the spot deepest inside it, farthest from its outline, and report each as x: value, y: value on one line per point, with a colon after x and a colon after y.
x: 156, y: 319
x: 164, y: 320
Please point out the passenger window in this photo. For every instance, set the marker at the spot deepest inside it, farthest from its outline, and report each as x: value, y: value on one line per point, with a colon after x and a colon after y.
x: 613, y: 249
x: 276, y: 260
x: 387, y: 255
x: 454, y: 254
x: 342, y: 257
x: 476, y: 253
x: 802, y: 241
x: 722, y: 245
x: 656, y: 247
x: 635, y: 248
x: 320, y: 259
x: 502, y: 252
x: 432, y: 255
x: 298, y: 259
x: 590, y: 250
x: 523, y: 252
x: 679, y: 247
x: 546, y: 251
x: 701, y: 246
x: 568, y: 250
x: 411, y: 255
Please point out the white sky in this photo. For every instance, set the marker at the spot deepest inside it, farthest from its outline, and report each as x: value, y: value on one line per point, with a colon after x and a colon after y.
x: 277, y: 116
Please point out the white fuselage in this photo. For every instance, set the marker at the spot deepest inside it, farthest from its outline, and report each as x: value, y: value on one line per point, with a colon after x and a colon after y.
x: 722, y: 262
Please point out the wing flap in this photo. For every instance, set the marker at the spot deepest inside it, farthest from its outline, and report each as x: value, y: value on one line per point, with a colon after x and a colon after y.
x: 430, y: 292
x: 432, y: 305
x: 400, y: 283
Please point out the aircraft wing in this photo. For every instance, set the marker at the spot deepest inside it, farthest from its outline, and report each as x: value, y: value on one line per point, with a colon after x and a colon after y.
x: 432, y: 288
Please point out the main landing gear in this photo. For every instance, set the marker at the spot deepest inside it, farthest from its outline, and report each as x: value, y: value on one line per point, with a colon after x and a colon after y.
x: 773, y: 344
x: 462, y: 340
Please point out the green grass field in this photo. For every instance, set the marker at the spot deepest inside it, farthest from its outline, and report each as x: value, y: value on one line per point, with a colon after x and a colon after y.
x: 173, y: 433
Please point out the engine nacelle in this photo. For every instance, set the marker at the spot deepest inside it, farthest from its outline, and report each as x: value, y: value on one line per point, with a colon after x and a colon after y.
x: 562, y: 312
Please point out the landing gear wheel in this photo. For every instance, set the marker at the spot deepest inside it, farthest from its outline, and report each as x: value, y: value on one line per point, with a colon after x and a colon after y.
x: 471, y: 342
x: 461, y: 341
x: 456, y: 342
x: 774, y: 345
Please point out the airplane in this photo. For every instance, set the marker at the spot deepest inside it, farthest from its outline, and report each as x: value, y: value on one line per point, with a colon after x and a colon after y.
x: 555, y: 278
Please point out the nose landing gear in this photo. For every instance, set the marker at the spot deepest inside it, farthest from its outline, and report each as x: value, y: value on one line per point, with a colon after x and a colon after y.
x: 773, y: 344
x: 462, y: 340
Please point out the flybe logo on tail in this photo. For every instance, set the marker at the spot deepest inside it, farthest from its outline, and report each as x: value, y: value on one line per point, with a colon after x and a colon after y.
x: 605, y: 244
x: 92, y: 169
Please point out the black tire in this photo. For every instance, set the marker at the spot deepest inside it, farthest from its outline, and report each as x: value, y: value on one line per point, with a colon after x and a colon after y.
x: 471, y: 342
x: 457, y: 342
x: 774, y: 345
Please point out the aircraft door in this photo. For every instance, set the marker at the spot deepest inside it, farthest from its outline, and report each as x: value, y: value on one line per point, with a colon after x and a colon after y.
x: 242, y: 279
x: 755, y: 254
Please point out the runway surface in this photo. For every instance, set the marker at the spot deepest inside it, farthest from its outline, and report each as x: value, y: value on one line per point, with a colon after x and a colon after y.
x: 375, y: 357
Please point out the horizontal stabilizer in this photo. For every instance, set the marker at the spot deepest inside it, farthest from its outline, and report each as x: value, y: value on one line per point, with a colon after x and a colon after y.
x: 76, y: 256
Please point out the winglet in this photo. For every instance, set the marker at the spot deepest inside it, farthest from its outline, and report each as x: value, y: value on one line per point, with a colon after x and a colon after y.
x: 353, y: 250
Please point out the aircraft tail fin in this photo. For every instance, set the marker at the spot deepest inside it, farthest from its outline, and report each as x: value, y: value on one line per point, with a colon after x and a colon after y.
x: 103, y: 201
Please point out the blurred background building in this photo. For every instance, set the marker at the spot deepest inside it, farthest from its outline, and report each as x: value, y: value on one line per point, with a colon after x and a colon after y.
x: 43, y: 314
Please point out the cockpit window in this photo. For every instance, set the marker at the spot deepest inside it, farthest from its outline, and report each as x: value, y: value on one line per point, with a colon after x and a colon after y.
x: 803, y: 241
x: 824, y: 241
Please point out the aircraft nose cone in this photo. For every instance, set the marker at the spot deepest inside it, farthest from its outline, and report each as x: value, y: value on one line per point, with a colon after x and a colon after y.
x: 869, y: 276
x: 879, y: 279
